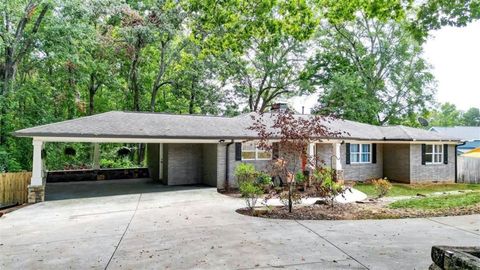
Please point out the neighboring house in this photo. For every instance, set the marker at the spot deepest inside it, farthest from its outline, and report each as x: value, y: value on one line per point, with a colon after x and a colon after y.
x: 475, y: 153
x: 189, y: 149
x: 471, y: 136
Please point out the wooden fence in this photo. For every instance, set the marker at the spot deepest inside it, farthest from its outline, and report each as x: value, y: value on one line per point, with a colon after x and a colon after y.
x: 13, y: 187
x: 468, y: 170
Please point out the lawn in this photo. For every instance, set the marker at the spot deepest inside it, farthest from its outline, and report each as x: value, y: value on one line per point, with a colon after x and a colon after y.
x: 438, y: 202
x: 412, y: 190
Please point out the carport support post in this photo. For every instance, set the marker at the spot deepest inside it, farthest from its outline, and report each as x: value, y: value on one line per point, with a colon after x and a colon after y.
x: 36, y: 189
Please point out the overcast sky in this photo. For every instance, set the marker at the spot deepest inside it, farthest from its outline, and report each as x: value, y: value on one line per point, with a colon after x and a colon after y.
x: 454, y: 54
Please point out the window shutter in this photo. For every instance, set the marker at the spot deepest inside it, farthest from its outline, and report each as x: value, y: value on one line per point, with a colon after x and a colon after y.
x: 238, y: 151
x: 347, y: 158
x: 374, y: 153
x: 424, y: 149
x: 275, y: 150
x: 445, y: 154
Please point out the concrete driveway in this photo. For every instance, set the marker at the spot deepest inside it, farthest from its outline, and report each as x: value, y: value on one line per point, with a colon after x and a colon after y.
x: 197, y: 228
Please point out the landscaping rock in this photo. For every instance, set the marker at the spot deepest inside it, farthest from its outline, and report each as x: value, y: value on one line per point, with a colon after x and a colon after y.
x: 455, y: 258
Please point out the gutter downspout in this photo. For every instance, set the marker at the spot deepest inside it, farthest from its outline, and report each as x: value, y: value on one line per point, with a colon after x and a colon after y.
x: 227, y: 167
x: 456, y: 161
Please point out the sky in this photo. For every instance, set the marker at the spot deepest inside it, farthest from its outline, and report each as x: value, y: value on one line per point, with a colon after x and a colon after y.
x: 454, y: 54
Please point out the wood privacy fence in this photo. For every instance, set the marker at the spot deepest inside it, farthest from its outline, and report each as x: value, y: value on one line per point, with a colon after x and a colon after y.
x: 468, y: 170
x: 13, y: 187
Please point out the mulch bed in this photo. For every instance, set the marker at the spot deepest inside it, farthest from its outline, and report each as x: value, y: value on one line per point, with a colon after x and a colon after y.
x: 356, y: 211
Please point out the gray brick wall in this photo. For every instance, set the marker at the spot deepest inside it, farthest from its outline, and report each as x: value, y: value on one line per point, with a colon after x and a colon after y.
x: 324, y: 154
x: 153, y: 161
x: 184, y: 164
x: 362, y: 172
x: 435, y: 172
x: 396, y: 162
x: 260, y: 165
x: 355, y: 172
x: 209, y: 164
x: 195, y: 163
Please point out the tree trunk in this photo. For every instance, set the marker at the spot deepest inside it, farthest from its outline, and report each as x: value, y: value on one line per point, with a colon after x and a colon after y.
x: 192, y: 98
x: 133, y: 78
x: 92, y: 91
x: 157, y: 84
x: 290, y: 203
x: 72, y: 90
x: 13, y: 56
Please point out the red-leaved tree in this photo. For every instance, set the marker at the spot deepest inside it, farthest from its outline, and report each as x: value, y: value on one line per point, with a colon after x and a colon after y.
x: 289, y: 135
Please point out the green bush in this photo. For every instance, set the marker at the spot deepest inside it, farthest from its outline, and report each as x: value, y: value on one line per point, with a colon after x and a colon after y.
x: 382, y: 187
x: 8, y: 163
x: 245, y: 172
x: 299, y: 177
x: 325, y: 186
x: 116, y: 163
x: 323, y: 174
x: 264, y: 179
x: 250, y: 192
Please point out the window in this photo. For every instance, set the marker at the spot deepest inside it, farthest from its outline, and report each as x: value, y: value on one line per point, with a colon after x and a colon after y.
x: 250, y: 151
x: 360, y: 153
x: 434, y: 154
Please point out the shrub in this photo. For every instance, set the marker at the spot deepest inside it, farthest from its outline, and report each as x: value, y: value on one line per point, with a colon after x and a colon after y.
x: 8, y: 163
x: 250, y: 192
x: 245, y: 172
x: 325, y: 186
x: 299, y: 177
x: 284, y: 198
x: 382, y: 187
x: 264, y: 179
x: 116, y: 163
x: 322, y: 174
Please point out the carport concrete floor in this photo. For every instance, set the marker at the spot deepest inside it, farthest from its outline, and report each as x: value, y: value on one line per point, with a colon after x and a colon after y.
x: 197, y: 228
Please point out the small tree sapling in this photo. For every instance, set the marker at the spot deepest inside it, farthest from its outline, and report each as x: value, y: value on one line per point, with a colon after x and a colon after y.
x: 293, y: 134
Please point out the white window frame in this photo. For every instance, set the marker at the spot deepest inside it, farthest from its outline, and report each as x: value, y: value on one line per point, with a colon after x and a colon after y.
x: 434, y: 153
x: 257, y: 151
x: 360, y: 153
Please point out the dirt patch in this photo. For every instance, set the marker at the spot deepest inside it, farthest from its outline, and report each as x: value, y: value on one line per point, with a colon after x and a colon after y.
x: 356, y: 211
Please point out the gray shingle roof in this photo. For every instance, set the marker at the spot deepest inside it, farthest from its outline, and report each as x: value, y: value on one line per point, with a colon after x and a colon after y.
x: 117, y: 124
x: 464, y: 133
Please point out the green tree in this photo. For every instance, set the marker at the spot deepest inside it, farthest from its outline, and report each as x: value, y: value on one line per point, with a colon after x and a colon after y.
x: 21, y: 21
x: 434, y: 14
x: 370, y: 71
x: 471, y: 117
x: 446, y: 116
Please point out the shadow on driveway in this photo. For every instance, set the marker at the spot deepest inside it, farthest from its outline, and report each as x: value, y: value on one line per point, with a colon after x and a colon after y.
x: 89, y: 189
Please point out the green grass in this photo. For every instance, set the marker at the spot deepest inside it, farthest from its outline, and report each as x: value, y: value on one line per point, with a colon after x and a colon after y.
x: 412, y: 190
x: 439, y: 202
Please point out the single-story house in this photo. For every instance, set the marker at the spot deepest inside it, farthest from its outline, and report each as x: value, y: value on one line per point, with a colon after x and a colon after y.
x: 191, y: 149
x: 470, y: 136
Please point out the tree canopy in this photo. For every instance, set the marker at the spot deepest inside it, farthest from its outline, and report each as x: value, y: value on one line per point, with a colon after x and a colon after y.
x: 63, y: 59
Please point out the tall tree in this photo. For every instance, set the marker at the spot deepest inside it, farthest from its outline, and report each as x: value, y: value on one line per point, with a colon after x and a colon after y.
x: 270, y: 64
x: 434, y: 14
x: 167, y: 19
x: 370, y: 71
x: 448, y: 115
x: 21, y: 22
x: 471, y: 117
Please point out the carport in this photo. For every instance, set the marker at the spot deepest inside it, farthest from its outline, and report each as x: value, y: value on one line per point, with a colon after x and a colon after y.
x: 180, y: 148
